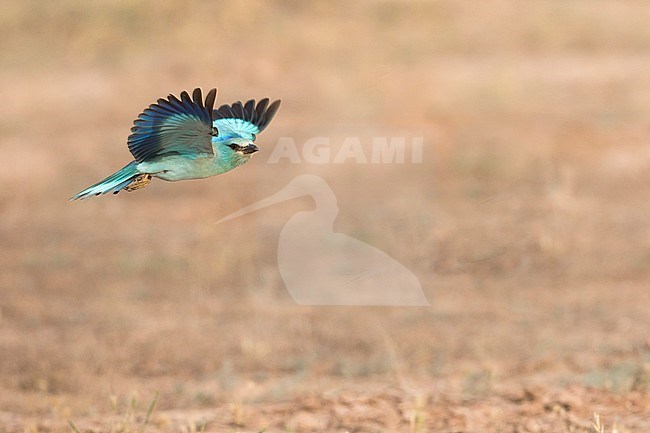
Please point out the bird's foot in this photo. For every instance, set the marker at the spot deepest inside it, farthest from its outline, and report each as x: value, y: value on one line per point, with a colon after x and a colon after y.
x: 139, y: 182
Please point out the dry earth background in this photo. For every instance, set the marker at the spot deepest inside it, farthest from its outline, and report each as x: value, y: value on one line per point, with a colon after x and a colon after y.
x: 527, y: 221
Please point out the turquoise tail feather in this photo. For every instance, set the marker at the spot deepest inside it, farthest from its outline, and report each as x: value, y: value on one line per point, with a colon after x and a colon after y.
x: 113, y: 183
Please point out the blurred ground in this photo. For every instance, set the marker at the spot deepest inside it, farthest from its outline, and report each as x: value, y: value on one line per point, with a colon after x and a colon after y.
x: 526, y: 222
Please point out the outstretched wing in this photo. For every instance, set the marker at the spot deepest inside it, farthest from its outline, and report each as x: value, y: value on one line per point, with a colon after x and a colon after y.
x: 244, y: 120
x: 182, y: 126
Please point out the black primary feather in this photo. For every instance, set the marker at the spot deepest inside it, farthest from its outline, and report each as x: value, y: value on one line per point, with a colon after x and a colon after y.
x: 173, y: 125
x: 259, y: 115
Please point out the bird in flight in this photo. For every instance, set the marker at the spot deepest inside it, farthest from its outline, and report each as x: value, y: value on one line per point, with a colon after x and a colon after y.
x: 178, y: 139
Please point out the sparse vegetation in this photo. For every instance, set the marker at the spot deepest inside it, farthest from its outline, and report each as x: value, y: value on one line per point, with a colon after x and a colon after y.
x: 126, y: 422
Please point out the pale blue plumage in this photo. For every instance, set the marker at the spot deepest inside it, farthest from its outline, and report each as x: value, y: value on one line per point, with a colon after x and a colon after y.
x: 230, y: 128
x: 179, y: 139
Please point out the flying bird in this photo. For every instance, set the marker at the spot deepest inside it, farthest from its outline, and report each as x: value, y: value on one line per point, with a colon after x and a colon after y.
x: 186, y: 138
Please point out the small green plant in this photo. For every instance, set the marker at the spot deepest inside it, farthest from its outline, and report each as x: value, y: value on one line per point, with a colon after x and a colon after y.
x: 152, y: 406
x: 73, y: 427
x: 126, y: 423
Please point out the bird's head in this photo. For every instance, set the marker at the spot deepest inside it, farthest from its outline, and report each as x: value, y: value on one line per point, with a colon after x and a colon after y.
x: 235, y: 128
x: 235, y: 151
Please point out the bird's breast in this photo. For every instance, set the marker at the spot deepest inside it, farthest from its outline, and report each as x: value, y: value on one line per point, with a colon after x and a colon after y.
x: 175, y: 168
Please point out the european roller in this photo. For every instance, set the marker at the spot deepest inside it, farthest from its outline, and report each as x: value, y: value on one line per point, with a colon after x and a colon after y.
x: 178, y: 139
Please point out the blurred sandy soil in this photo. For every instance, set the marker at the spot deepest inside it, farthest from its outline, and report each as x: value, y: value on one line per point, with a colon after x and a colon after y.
x: 527, y: 222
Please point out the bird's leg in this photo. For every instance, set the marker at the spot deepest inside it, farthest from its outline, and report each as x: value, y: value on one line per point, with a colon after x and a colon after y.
x: 139, y: 182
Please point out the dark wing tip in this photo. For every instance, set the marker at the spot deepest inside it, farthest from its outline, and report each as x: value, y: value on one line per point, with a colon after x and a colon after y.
x: 209, y: 100
x: 197, y: 97
x: 259, y: 115
x: 268, y: 114
x: 194, y: 104
x: 238, y: 109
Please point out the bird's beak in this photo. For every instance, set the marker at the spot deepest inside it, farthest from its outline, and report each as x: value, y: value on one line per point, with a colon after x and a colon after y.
x: 250, y: 149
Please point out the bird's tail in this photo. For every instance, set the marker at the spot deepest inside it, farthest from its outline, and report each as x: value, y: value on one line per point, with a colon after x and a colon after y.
x: 113, y: 183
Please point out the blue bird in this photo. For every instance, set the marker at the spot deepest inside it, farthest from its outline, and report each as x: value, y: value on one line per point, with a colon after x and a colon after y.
x: 179, y: 139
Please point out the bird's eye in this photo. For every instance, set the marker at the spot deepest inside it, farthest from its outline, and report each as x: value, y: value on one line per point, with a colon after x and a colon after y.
x: 234, y: 146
